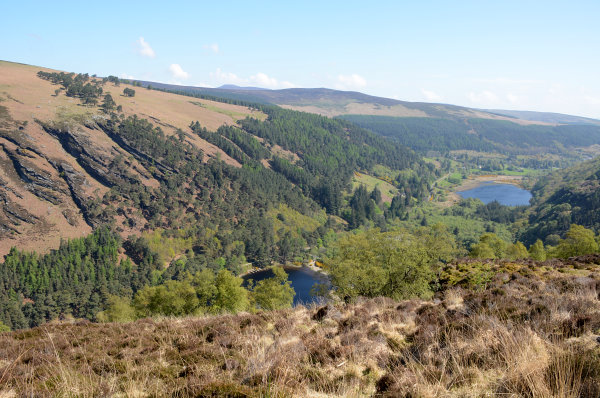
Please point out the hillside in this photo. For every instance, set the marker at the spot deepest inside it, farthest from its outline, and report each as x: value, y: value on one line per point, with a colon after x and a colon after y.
x: 45, y: 180
x: 331, y: 102
x: 79, y: 152
x: 564, y: 197
x: 497, y: 328
x: 547, y: 117
x: 429, y: 126
x: 482, y: 135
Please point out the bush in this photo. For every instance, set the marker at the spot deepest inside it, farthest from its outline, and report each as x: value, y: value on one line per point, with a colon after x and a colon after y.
x: 394, y: 264
x: 274, y: 293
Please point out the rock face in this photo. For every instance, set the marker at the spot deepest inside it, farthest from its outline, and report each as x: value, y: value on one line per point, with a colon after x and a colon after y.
x: 55, y: 173
x: 12, y: 213
x: 41, y: 194
x: 65, y: 167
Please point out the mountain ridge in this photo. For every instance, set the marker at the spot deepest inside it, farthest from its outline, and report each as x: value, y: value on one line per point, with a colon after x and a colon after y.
x: 331, y: 102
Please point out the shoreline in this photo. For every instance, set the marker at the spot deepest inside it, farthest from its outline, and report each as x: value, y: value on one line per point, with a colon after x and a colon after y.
x: 309, y: 267
x: 474, y: 182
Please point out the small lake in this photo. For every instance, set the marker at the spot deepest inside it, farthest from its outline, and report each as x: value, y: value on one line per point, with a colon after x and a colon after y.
x: 302, y: 280
x: 505, y: 194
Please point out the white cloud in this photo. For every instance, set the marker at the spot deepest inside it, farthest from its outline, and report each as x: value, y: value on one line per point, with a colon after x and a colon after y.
x: 260, y: 79
x: 263, y: 80
x: 430, y: 95
x: 126, y: 76
x: 513, y: 99
x: 178, y: 72
x: 484, y: 97
x: 214, y: 47
x: 355, y: 81
x: 227, y: 77
x: 144, y: 48
x: 506, y: 81
x: 592, y: 100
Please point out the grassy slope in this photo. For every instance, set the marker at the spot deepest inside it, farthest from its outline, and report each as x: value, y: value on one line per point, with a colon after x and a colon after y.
x: 388, y: 191
x: 497, y: 328
x: 25, y: 98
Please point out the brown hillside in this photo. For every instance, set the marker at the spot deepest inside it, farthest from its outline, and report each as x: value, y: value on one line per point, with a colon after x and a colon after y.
x: 43, y: 182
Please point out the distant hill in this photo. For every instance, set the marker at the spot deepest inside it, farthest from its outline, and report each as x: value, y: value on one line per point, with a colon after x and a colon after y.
x: 547, y: 117
x: 480, y: 134
x: 234, y: 87
x: 331, y: 102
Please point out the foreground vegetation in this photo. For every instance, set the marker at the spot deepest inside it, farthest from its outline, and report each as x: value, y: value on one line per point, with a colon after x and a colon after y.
x: 520, y: 328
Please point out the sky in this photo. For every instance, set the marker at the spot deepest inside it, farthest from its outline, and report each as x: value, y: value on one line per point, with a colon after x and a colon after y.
x: 523, y: 55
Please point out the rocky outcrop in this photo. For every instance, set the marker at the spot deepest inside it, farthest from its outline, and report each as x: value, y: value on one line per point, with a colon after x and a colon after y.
x: 76, y: 182
x: 81, y: 148
x: 36, y: 180
x: 12, y: 213
x: 96, y: 161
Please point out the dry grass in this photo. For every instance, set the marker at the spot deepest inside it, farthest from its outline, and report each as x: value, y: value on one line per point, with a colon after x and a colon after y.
x: 531, y: 333
x: 25, y: 98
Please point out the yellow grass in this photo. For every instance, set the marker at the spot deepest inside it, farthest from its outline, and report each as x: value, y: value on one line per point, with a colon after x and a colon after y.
x: 28, y: 98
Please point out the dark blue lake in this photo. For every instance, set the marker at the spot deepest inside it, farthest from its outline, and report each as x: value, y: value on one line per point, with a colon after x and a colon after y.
x: 302, y: 280
x: 505, y: 194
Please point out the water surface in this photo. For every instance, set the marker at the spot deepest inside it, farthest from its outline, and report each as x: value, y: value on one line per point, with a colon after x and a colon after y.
x: 505, y: 194
x: 302, y: 280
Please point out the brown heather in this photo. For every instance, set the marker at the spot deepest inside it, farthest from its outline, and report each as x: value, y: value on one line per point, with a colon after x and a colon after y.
x: 531, y: 330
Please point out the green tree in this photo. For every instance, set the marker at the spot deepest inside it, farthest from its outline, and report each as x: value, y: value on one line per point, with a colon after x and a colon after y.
x: 174, y: 298
x: 204, y: 282
x: 129, y: 92
x: 108, y: 104
x: 274, y: 293
x: 396, y: 264
x: 517, y: 251
x: 490, y: 246
x: 119, y: 309
x: 482, y: 250
x: 230, y: 295
x: 578, y: 241
x: 537, y: 251
x: 4, y: 328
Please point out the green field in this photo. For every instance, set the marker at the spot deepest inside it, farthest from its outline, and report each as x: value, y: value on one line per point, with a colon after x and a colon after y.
x: 388, y: 191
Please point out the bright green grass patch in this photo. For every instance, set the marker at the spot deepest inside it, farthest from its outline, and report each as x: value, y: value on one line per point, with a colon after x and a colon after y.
x: 383, y: 171
x: 168, y: 247
x: 286, y: 219
x: 370, y: 182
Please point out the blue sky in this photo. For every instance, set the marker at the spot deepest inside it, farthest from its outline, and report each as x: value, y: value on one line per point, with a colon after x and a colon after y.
x: 529, y: 55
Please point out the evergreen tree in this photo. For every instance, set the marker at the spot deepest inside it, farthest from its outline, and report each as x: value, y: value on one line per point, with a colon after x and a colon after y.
x: 108, y: 104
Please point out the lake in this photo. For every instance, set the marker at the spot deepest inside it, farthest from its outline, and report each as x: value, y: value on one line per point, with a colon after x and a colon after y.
x: 302, y: 280
x: 505, y: 194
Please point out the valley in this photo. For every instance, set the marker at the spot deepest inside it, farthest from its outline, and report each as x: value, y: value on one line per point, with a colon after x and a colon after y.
x: 130, y: 208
